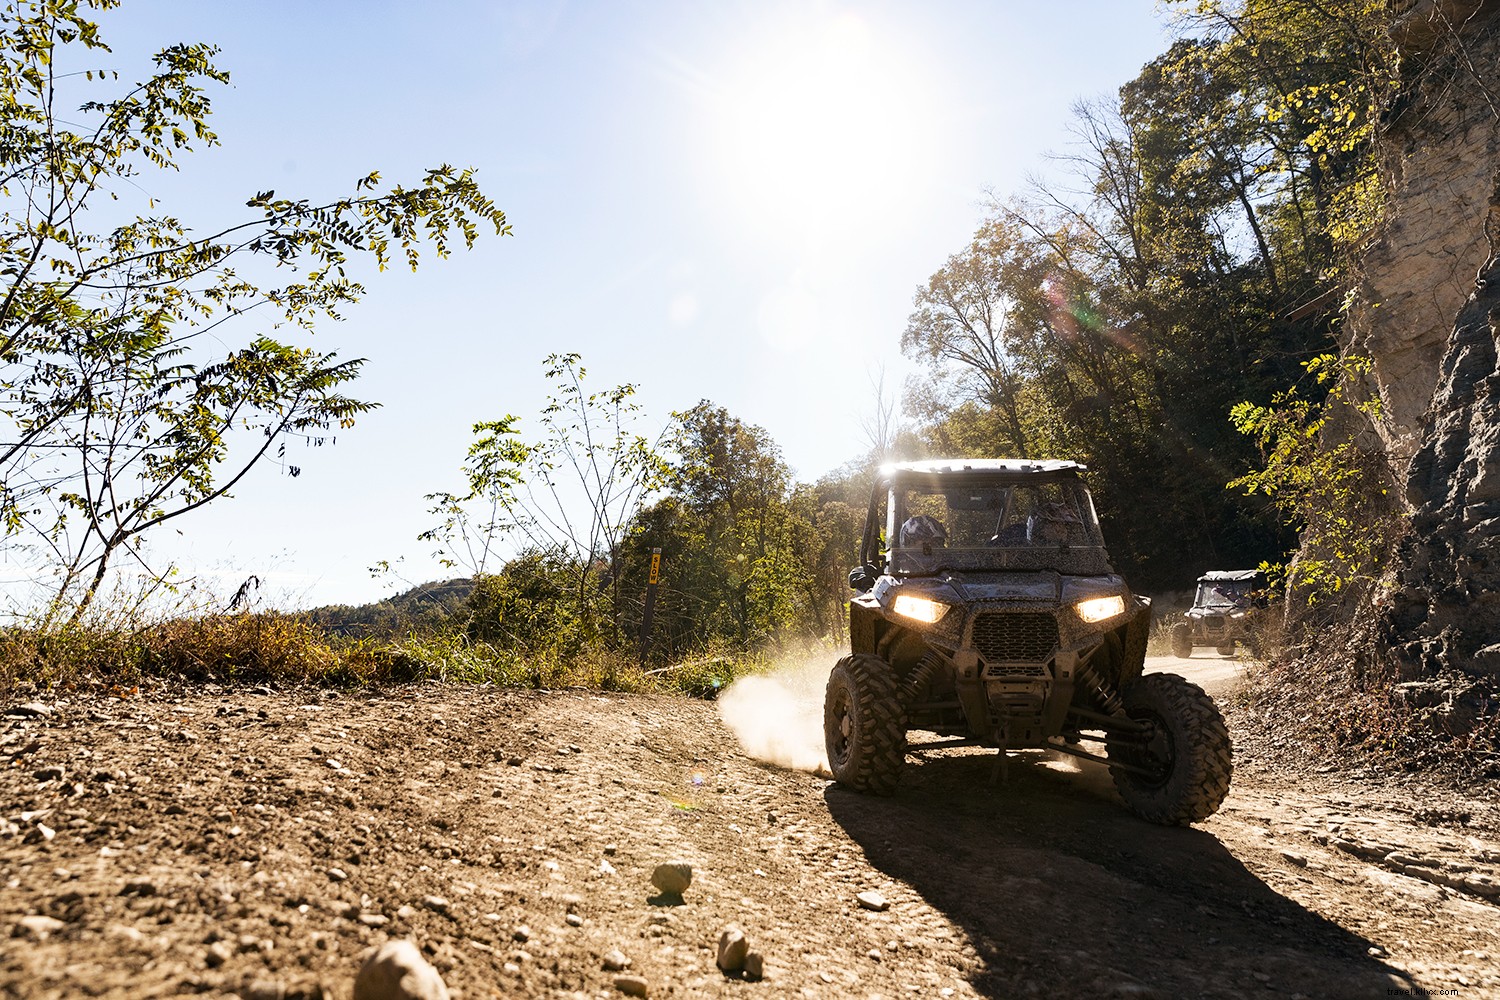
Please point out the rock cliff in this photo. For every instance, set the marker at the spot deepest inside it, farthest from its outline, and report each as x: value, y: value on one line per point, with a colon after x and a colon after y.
x: 1440, y: 377
x: 1439, y: 156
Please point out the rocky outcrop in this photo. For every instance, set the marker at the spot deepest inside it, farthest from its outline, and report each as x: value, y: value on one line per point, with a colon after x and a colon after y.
x: 1446, y: 611
x: 1444, y: 620
x: 1439, y: 155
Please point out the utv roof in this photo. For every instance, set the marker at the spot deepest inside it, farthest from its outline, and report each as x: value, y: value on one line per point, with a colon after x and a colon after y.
x: 1219, y: 575
x: 961, y: 466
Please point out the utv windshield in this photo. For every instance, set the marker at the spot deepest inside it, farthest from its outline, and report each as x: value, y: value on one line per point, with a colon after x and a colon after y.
x: 1046, y: 524
x: 1224, y: 595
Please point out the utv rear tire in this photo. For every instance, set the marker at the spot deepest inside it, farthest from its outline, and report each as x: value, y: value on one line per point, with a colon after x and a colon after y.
x: 1182, y: 640
x: 864, y: 725
x: 1225, y: 650
x: 1190, y: 752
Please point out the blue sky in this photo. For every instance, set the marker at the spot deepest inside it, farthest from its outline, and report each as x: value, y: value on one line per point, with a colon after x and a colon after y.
x: 724, y: 200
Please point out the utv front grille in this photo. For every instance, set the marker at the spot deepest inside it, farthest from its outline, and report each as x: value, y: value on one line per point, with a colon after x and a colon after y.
x: 1012, y: 636
x: 1213, y: 621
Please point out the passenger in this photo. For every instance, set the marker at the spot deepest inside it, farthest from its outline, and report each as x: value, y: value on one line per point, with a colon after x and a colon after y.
x: 1054, y: 524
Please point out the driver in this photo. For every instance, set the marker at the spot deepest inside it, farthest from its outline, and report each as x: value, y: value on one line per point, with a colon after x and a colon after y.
x: 924, y: 532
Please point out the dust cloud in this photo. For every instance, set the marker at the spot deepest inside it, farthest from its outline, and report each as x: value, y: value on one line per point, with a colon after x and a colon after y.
x: 778, y: 716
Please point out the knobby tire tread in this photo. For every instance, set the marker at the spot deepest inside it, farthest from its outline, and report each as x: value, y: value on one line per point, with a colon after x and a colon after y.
x: 1191, y: 795
x: 880, y: 739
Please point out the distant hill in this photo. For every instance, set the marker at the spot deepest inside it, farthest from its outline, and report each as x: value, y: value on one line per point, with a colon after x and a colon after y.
x: 423, y: 606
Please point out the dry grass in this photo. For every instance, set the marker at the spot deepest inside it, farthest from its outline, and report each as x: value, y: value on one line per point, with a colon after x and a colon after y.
x: 285, y: 649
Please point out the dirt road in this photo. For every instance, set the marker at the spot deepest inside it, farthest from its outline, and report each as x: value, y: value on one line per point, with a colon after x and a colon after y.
x: 258, y: 843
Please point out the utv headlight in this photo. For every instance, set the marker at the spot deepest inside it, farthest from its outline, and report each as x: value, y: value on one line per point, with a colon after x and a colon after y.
x: 1096, y: 609
x: 919, y: 608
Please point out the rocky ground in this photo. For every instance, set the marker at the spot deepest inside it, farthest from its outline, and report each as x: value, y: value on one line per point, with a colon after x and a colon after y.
x: 261, y: 843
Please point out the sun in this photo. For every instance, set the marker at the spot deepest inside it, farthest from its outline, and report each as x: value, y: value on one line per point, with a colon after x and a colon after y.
x: 818, y: 120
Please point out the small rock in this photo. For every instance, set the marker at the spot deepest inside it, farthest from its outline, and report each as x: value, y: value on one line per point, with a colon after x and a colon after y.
x: 872, y: 900
x: 732, y: 949
x: 873, y: 954
x: 631, y: 986
x: 610, y: 849
x: 1291, y: 857
x: 374, y: 919
x: 673, y: 877
x: 515, y: 762
x: 521, y: 933
x: 263, y: 989
x: 574, y: 920
x: 30, y: 710
x: 437, y: 903
x: 337, y: 874
x: 218, y: 953
x: 53, y: 773
x: 399, y: 972
x: 615, y: 961
x: 755, y: 965
x: 37, y: 927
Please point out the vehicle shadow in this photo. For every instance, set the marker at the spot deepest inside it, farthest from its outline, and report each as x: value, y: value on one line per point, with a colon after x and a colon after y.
x: 1062, y: 892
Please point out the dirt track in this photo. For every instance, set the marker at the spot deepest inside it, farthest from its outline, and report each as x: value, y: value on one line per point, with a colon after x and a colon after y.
x: 260, y: 843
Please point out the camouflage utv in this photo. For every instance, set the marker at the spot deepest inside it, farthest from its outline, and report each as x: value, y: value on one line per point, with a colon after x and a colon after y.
x: 988, y: 615
x: 1223, y: 612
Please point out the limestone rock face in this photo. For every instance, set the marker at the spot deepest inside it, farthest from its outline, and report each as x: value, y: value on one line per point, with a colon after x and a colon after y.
x: 1439, y: 160
x: 1439, y: 377
x: 1446, y: 613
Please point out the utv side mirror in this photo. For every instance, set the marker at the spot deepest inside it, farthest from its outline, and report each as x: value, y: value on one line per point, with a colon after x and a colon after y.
x: 861, y: 579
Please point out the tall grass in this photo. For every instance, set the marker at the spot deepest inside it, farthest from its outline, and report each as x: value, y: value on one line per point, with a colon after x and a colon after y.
x: 286, y: 649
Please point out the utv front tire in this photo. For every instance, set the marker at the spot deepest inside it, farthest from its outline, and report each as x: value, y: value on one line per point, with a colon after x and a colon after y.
x: 1225, y: 650
x: 1188, y: 759
x: 1182, y: 640
x: 864, y: 725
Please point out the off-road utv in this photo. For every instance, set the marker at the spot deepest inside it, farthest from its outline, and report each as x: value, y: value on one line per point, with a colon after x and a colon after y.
x: 989, y: 615
x: 1223, y: 612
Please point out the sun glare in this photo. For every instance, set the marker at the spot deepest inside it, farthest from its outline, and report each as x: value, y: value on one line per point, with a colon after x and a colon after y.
x: 819, y: 121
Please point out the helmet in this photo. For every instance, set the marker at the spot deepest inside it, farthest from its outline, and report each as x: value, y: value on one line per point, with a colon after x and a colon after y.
x: 922, y: 530
x: 1053, y: 523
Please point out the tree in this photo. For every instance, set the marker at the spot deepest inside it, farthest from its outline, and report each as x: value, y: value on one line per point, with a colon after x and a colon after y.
x: 565, y: 501
x: 119, y: 413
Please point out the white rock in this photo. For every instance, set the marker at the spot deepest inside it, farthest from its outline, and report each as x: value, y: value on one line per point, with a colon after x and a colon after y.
x: 38, y: 927
x: 399, y: 972
x: 872, y: 900
x: 673, y: 877
x: 615, y: 961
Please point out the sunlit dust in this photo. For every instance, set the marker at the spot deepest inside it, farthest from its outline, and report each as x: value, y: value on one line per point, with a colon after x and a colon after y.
x: 778, y: 716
